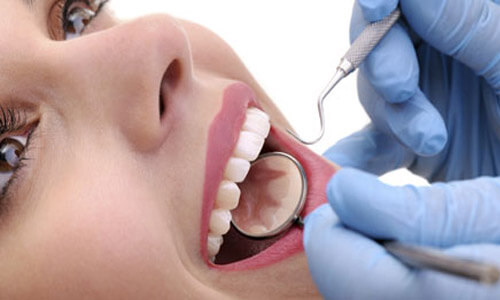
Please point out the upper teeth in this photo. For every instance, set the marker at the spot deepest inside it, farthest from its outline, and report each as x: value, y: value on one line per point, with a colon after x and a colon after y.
x: 249, y: 145
x: 250, y: 142
x: 228, y: 195
x: 237, y: 169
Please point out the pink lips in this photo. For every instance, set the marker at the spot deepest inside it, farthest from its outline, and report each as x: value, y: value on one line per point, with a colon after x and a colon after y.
x: 223, y: 136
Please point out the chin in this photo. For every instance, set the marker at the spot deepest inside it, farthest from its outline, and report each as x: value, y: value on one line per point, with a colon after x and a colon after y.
x: 238, y: 252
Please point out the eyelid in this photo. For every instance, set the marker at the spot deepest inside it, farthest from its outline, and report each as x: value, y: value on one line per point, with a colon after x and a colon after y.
x: 54, y: 21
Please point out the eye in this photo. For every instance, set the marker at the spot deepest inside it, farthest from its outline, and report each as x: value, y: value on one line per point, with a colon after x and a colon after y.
x: 11, y: 150
x: 76, y: 22
x: 73, y: 17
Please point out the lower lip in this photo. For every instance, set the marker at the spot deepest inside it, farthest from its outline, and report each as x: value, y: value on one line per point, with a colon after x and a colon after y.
x: 223, y: 136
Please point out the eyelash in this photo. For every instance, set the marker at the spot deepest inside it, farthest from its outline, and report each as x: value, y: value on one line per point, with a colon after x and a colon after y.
x: 12, y: 121
x: 64, y: 10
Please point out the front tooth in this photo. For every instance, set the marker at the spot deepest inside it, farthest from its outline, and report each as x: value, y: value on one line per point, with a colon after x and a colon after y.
x: 258, y: 122
x: 213, y: 244
x: 256, y: 111
x: 228, y: 195
x: 220, y: 221
x: 236, y: 169
x: 249, y: 145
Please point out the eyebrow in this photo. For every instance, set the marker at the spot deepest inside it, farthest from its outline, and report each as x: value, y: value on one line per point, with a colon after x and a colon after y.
x: 29, y: 2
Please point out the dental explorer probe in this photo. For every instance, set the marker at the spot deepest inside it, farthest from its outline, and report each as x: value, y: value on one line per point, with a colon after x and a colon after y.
x: 359, y: 50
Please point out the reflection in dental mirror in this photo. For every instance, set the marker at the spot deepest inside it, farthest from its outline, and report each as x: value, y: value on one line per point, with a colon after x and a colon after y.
x: 272, y: 196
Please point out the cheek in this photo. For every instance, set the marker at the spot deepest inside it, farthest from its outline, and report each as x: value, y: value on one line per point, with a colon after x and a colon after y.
x: 111, y: 243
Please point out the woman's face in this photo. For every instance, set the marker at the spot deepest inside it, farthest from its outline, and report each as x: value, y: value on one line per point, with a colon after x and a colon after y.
x: 130, y: 127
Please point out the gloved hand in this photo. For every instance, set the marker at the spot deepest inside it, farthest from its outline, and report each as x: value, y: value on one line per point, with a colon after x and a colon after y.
x: 433, y: 85
x: 347, y: 265
x: 431, y: 88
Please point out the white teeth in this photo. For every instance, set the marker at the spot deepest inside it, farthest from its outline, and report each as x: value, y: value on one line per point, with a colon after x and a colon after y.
x: 220, y: 221
x: 228, y: 195
x: 249, y: 145
x: 258, y: 122
x: 237, y: 169
x: 256, y: 111
x: 253, y: 133
x: 213, y: 244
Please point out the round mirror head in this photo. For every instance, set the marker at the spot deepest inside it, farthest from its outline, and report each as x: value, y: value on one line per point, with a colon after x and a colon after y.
x: 272, y: 196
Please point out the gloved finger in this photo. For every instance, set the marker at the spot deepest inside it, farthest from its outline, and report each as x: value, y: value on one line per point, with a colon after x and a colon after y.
x: 341, y: 261
x: 415, y: 123
x: 464, y: 29
x: 370, y: 150
x: 440, y: 215
x: 375, y: 10
x: 392, y: 67
x: 347, y: 265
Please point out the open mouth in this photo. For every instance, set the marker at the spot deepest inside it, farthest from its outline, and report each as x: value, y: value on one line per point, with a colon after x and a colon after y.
x: 250, y: 135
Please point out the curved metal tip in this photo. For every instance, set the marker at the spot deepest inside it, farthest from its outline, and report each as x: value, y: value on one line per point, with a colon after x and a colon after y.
x: 339, y: 74
x: 309, y: 143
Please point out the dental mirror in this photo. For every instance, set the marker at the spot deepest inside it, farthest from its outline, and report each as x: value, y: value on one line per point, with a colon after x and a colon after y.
x: 272, y: 196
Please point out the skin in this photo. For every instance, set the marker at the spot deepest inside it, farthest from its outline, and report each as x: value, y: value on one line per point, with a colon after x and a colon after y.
x: 109, y: 204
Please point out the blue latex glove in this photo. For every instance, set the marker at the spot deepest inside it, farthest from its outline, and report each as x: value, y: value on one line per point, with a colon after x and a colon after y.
x: 433, y: 82
x: 431, y: 88
x: 346, y: 265
x: 436, y: 114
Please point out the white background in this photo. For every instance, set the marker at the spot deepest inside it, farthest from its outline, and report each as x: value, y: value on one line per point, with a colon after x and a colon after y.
x: 292, y: 48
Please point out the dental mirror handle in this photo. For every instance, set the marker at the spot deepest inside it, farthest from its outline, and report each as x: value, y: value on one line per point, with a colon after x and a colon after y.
x: 427, y: 258
x: 359, y: 50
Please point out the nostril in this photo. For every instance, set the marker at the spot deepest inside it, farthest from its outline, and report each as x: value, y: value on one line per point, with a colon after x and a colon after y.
x: 169, y: 83
x: 162, y: 105
x: 173, y: 74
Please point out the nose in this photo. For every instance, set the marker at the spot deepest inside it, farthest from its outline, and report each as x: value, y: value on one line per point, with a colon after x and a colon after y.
x: 136, y: 72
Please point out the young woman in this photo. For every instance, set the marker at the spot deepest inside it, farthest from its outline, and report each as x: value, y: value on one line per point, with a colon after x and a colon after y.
x: 121, y: 146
